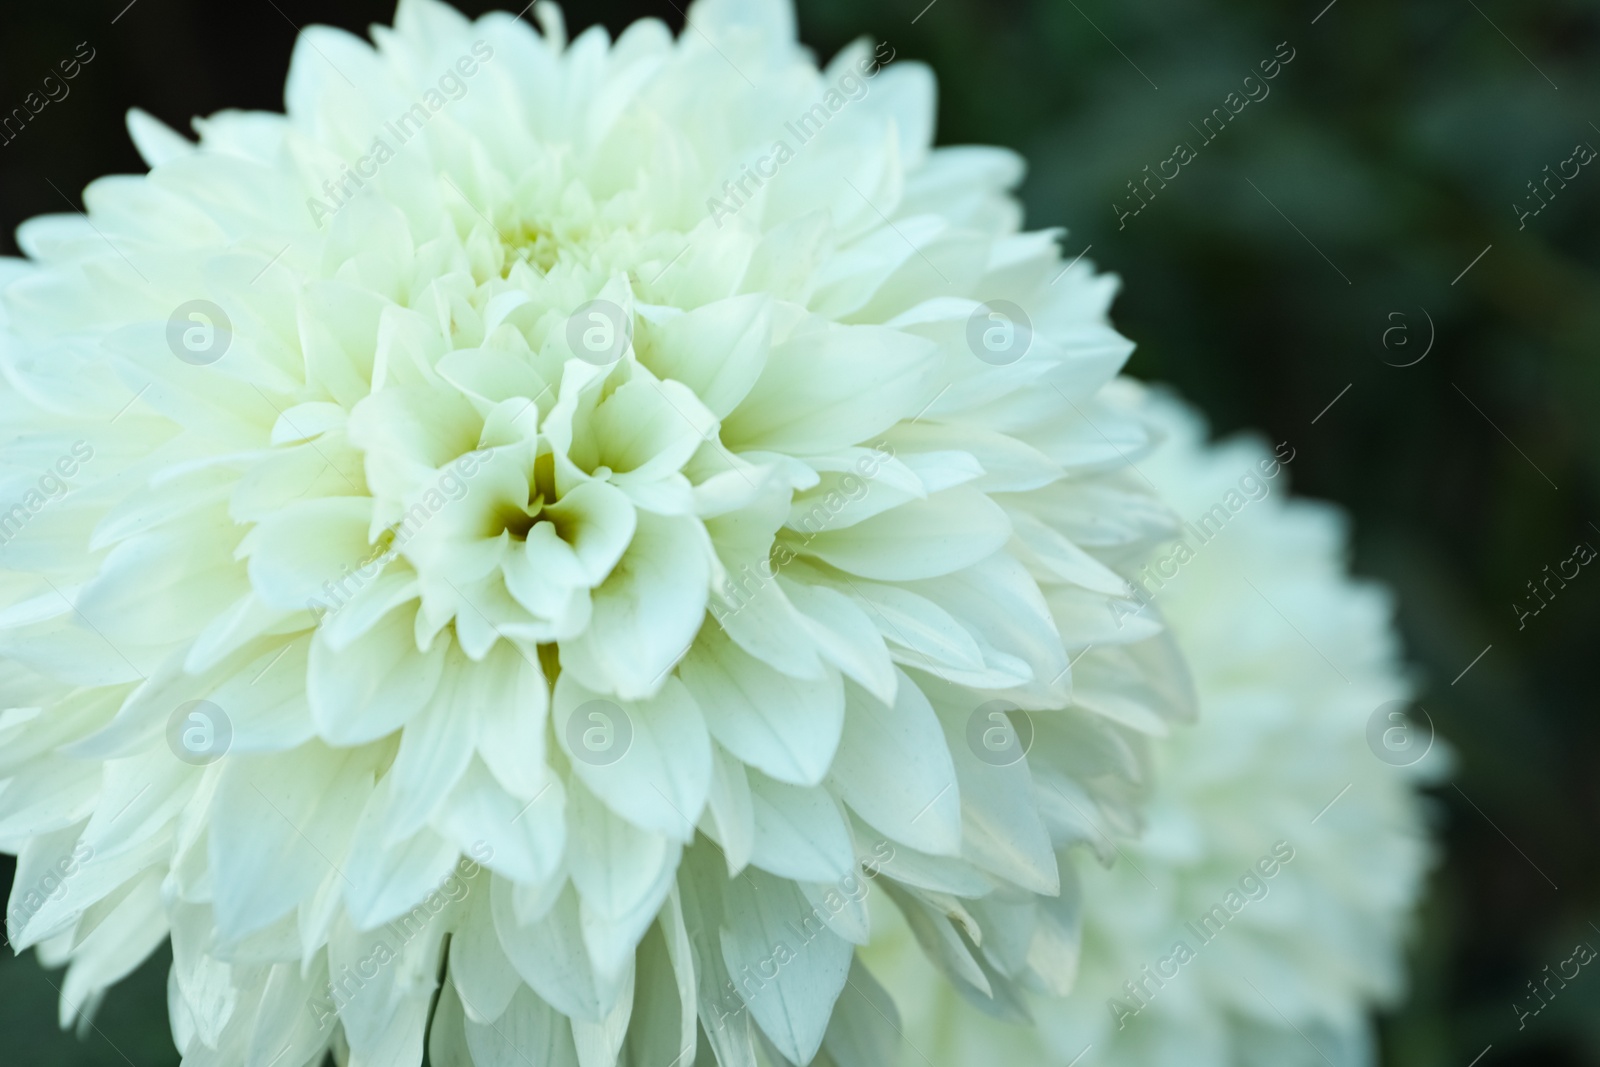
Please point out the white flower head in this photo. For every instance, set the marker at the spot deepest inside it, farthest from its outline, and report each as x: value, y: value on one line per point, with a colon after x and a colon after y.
x: 1263, y: 913
x: 550, y: 524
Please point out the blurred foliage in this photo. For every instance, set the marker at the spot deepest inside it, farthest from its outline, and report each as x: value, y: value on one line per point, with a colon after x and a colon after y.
x: 1388, y: 155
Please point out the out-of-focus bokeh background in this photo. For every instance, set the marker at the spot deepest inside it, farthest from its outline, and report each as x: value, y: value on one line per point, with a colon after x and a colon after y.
x: 1379, y: 204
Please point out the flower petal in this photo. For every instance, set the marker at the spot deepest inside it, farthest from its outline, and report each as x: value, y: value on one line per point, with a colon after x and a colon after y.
x: 786, y: 727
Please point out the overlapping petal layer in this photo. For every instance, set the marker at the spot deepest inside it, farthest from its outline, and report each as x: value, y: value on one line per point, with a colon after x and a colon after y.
x: 533, y: 572
x: 1262, y: 915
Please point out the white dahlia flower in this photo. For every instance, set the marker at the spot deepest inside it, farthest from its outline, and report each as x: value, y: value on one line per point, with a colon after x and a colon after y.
x: 501, y: 552
x: 1263, y: 913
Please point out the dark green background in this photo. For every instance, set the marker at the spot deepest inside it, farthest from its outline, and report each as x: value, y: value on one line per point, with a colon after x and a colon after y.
x: 1397, y: 142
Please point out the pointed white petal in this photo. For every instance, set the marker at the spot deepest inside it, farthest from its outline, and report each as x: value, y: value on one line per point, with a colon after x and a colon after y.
x: 768, y: 924
x: 800, y: 832
x: 895, y: 770
x: 372, y: 686
x: 280, y: 824
x: 647, y: 760
x: 786, y: 727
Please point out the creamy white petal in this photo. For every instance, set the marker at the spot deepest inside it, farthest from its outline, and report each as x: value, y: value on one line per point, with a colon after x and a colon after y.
x: 281, y: 824
x: 785, y: 727
x: 800, y: 832
x: 895, y: 771
x: 661, y: 776
x: 769, y: 922
x: 373, y: 685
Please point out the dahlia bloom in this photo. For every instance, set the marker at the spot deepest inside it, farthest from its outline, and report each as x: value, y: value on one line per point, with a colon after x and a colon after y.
x: 1262, y: 914
x: 526, y: 534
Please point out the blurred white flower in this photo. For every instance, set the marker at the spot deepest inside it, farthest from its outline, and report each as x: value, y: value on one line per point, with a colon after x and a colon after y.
x: 1263, y: 912
x: 556, y: 510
